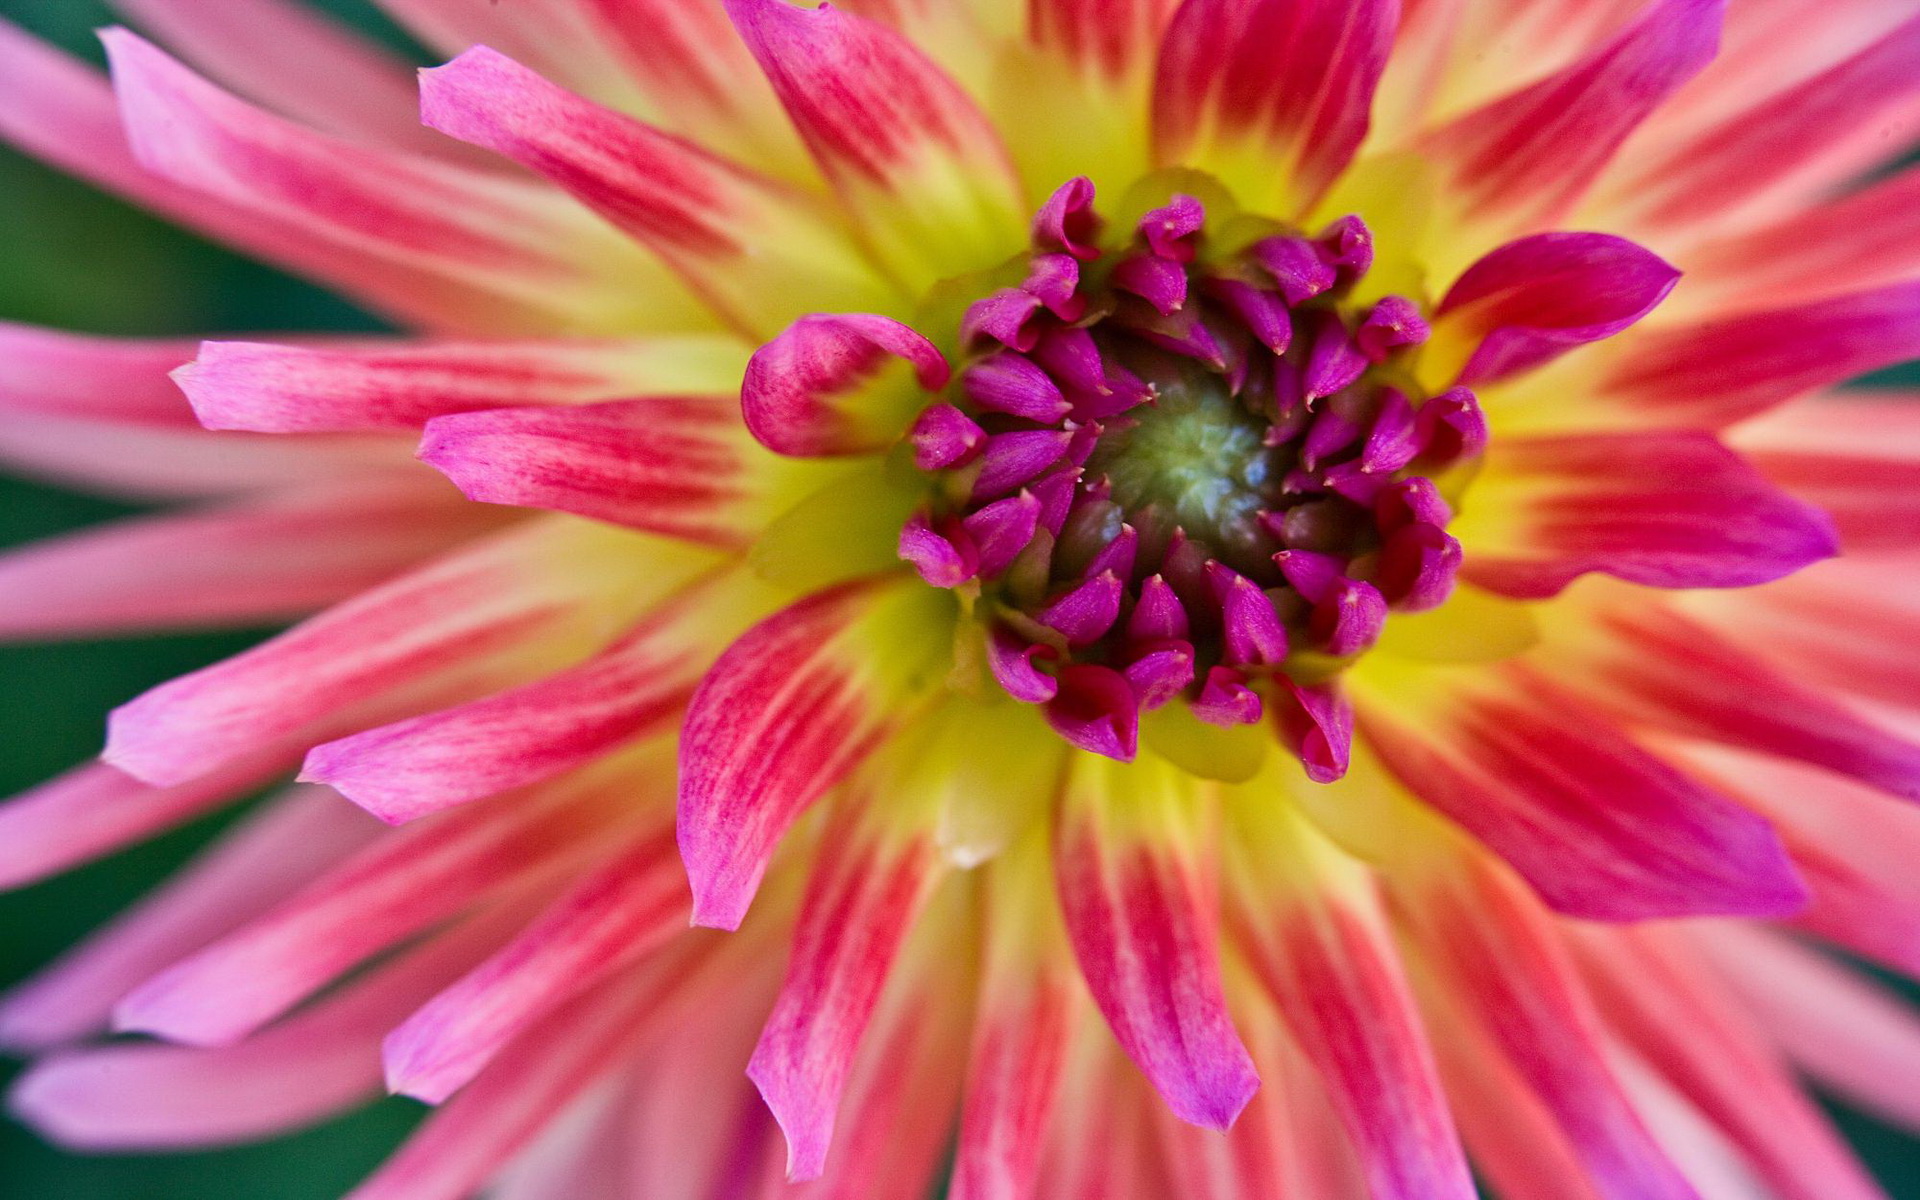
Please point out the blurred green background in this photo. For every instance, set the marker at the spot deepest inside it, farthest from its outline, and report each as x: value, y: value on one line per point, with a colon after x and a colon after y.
x: 77, y: 260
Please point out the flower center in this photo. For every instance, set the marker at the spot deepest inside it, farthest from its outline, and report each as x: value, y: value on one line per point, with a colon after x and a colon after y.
x: 1185, y: 467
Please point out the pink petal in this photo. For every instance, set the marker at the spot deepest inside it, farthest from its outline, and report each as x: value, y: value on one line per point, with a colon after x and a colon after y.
x: 400, y: 385
x: 535, y: 732
x: 456, y: 624
x: 865, y: 890
x: 158, y: 1097
x: 1598, y: 826
x: 503, y: 241
x: 244, y: 563
x: 612, y: 918
x: 906, y: 148
x: 1294, y: 78
x: 1723, y: 369
x: 1095, y: 708
x: 1140, y: 912
x: 269, y: 856
x: 103, y: 379
x: 1100, y: 38
x: 1534, y: 299
x: 401, y: 885
x: 745, y: 243
x: 1494, y: 959
x: 787, y: 712
x: 1530, y: 155
x: 835, y: 384
x: 672, y: 465
x: 1673, y: 510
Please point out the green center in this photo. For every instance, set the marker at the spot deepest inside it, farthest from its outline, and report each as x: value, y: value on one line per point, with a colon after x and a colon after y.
x: 1195, y: 455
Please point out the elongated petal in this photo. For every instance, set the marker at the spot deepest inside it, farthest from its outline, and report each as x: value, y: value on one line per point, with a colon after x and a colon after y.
x: 866, y: 888
x: 1672, y: 510
x: 247, y: 562
x: 1597, y: 825
x: 1527, y: 158
x: 461, y: 622
x: 1140, y: 912
x: 792, y: 706
x: 266, y: 858
x: 400, y: 385
x: 1536, y: 298
x: 1271, y: 95
x: 401, y: 885
x: 1114, y: 41
x: 908, y: 151
x: 501, y: 239
x: 148, y: 1097
x: 1658, y: 667
x: 77, y: 375
x: 425, y: 764
x: 1491, y: 957
x: 678, y: 466
x: 1719, y: 370
x: 297, y: 61
x: 612, y: 918
x: 839, y: 384
x: 750, y: 246
x: 1313, y: 934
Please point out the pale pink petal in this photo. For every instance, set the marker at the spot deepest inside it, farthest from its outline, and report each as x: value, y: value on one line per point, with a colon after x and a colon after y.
x: 82, y: 376
x: 268, y: 857
x: 400, y: 385
x: 158, y: 1097
x: 248, y: 562
x: 610, y: 919
x: 505, y: 244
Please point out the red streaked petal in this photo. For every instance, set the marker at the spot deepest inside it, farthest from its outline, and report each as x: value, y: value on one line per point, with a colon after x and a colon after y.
x: 1721, y: 369
x: 847, y: 383
x: 909, y: 152
x: 1114, y: 41
x: 867, y: 886
x: 1534, y: 299
x: 475, y: 617
x: 152, y: 1097
x: 540, y: 730
x: 1600, y: 828
x: 1670, y: 509
x: 610, y: 919
x: 399, y: 886
x: 787, y: 712
x: 1493, y: 960
x: 265, y: 858
x: 253, y: 561
x: 1273, y: 95
x: 466, y: 229
x: 1140, y: 912
x: 1529, y: 156
x: 746, y: 243
x: 399, y: 385
x: 1313, y: 934
x: 677, y: 466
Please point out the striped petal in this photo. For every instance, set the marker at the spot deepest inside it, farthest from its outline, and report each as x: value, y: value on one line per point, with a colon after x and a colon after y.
x: 678, y: 466
x: 1672, y: 510
x: 400, y: 385
x: 839, y: 384
x: 787, y: 712
x: 754, y: 248
x: 1599, y: 827
x: 911, y: 156
x: 1273, y: 96
x: 76, y: 375
x: 1129, y: 860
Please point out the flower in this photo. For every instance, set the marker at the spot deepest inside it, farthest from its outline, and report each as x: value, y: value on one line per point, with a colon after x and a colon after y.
x: 1215, y: 599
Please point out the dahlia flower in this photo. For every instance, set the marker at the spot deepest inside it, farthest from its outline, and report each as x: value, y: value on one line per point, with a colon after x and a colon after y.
x: 1232, y: 598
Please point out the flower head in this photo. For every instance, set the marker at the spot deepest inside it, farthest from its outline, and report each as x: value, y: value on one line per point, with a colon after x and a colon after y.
x: 1197, y: 587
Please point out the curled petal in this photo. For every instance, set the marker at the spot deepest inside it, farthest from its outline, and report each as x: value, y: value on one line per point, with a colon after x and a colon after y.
x: 838, y: 384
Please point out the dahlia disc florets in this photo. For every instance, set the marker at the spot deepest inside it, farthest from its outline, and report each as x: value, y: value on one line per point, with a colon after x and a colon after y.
x: 1186, y: 459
